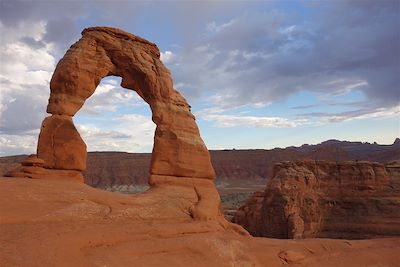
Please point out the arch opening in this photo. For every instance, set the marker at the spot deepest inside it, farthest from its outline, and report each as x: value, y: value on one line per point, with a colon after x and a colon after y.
x: 114, y: 121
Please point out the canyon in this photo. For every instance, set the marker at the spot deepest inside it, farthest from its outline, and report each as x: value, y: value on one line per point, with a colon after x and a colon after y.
x: 107, y: 169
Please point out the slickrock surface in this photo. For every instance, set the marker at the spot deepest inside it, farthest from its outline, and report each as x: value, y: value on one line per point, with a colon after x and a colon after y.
x: 307, y: 199
x: 67, y: 223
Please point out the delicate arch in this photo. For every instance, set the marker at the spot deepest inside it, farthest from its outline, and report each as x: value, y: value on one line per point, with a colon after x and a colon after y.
x: 178, y: 148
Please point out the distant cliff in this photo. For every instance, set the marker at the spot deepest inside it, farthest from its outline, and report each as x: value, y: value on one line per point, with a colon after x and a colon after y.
x: 331, y: 199
x: 118, y: 168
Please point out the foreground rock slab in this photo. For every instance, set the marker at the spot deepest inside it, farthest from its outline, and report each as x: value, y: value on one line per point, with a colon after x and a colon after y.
x: 66, y: 223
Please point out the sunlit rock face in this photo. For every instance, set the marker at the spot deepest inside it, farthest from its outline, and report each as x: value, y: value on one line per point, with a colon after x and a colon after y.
x: 180, y: 158
x: 325, y: 199
x: 178, y: 148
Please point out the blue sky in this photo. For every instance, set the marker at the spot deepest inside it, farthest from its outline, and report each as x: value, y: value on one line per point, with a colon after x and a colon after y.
x: 258, y: 74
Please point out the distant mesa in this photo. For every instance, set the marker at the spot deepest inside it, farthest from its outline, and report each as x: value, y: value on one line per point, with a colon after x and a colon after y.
x: 105, y: 169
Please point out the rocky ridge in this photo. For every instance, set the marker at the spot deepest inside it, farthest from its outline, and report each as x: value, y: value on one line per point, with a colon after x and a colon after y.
x: 105, y: 169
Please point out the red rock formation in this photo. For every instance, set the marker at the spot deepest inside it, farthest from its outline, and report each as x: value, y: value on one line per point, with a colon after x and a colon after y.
x: 324, y: 199
x: 60, y: 145
x: 178, y: 149
x: 179, y: 155
x: 32, y: 167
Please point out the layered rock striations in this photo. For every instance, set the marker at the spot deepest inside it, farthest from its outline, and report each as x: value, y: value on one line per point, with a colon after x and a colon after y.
x: 325, y: 199
x: 105, y: 169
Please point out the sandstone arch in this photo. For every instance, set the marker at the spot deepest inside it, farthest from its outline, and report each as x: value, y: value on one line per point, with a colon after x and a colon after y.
x: 178, y: 148
x: 181, y: 174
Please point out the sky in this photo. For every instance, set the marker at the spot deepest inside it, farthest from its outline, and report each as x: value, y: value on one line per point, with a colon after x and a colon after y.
x: 258, y: 74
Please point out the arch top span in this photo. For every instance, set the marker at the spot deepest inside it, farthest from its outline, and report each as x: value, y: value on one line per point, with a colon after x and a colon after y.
x: 178, y: 148
x: 117, y: 33
x: 102, y: 52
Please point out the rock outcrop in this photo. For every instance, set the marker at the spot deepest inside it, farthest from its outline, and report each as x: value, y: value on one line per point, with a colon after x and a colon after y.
x: 32, y: 167
x: 325, y: 199
x: 179, y: 156
x: 178, y: 149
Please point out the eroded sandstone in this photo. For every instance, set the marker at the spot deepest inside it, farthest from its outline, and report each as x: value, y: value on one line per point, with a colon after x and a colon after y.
x: 60, y: 145
x: 178, y: 149
x: 325, y: 199
x: 179, y: 155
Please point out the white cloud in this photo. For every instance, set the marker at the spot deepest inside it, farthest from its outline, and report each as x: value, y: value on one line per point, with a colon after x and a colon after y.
x: 227, y: 121
x: 25, y: 73
x: 362, y: 114
x: 167, y: 57
x: 109, y: 97
x: 221, y: 120
x: 345, y: 86
x: 17, y: 144
x: 131, y: 133
x: 13, y: 34
x: 215, y: 28
x: 252, y: 121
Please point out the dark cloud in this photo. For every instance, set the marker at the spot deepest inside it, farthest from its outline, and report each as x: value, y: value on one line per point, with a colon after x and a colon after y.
x: 253, y: 53
x: 32, y: 42
x: 61, y: 31
x: 269, y: 56
x: 23, y: 113
x: 14, y: 11
x: 60, y: 18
